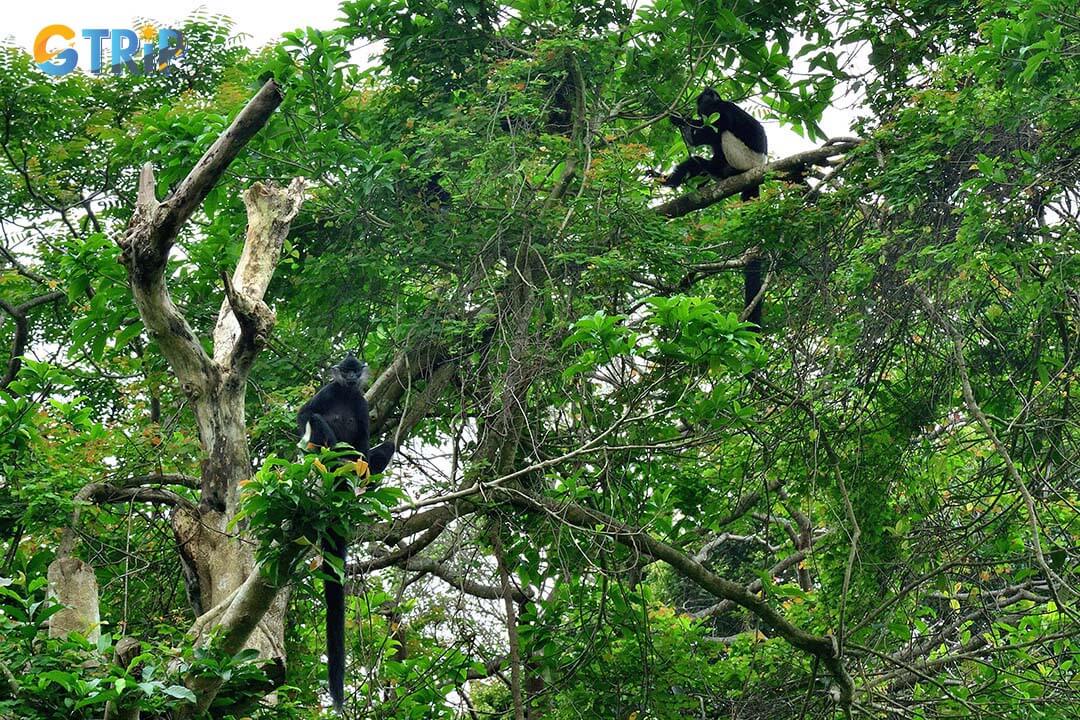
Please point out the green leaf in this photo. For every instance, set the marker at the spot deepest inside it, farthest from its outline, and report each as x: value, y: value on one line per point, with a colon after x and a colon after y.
x: 180, y: 692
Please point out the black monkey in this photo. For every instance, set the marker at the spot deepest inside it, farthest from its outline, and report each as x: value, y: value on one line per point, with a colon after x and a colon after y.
x: 434, y: 195
x: 339, y: 414
x: 558, y: 108
x: 738, y: 144
x: 736, y: 137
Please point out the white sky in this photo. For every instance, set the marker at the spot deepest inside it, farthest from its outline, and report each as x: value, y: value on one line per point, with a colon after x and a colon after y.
x: 262, y: 21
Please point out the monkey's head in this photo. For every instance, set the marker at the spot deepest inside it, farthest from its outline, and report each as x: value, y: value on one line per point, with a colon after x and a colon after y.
x: 709, y: 102
x: 350, y: 372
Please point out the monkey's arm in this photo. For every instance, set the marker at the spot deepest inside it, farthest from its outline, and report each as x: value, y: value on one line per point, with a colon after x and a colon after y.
x: 705, y: 135
x: 686, y: 169
x: 319, y: 433
x: 315, y: 406
x: 696, y: 132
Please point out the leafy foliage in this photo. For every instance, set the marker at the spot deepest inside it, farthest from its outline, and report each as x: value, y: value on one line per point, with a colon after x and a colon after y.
x: 891, y: 462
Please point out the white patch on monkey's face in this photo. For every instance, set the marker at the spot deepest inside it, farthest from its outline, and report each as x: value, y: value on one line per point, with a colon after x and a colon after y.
x: 738, y: 155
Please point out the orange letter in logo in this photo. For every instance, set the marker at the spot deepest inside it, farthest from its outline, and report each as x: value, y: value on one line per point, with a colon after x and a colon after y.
x: 68, y: 56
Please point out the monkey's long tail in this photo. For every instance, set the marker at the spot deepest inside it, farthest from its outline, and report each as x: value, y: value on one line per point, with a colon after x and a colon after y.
x: 334, y: 597
x: 752, y: 273
x: 751, y: 287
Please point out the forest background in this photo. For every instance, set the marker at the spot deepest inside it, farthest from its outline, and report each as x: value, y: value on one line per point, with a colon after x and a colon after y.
x: 613, y: 497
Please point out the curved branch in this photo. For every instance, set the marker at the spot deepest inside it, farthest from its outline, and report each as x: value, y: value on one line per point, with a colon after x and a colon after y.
x: 824, y: 648
x: 387, y: 389
x: 402, y: 554
x: 715, y: 192
x: 1053, y: 580
x: 179, y: 479
x: 104, y: 494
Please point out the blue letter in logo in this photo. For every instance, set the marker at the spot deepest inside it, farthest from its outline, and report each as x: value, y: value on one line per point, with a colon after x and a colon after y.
x: 125, y: 43
x: 95, y: 36
x: 170, y: 44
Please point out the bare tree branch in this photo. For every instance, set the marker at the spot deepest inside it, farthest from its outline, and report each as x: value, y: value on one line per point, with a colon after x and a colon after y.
x: 187, y: 481
x: 459, y: 581
x: 178, y: 207
x: 244, y: 322
x: 403, y: 554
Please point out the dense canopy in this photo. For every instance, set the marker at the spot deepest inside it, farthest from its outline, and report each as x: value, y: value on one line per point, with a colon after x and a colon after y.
x: 613, y: 497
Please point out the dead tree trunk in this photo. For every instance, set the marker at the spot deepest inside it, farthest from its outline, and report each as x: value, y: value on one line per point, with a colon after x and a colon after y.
x: 228, y: 590
x: 224, y: 585
x: 72, y: 583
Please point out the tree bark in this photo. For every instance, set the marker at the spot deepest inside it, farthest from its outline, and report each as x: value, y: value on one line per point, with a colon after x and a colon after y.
x: 72, y: 583
x: 219, y: 565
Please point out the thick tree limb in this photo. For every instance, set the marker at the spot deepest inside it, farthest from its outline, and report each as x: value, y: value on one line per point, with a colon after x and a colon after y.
x: 145, y: 253
x: 153, y: 230
x: 416, y: 410
x: 181, y: 480
x: 73, y: 584
x: 170, y: 215
x: 250, y: 604
x: 715, y: 192
x: 396, y: 530
x: 103, y: 494
x: 215, y: 385
x: 415, y: 362
x: 244, y: 322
